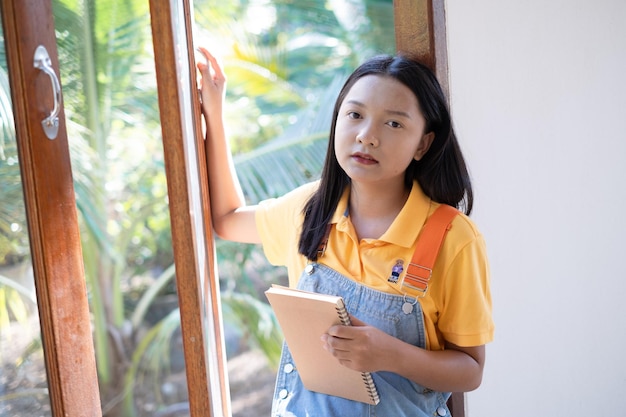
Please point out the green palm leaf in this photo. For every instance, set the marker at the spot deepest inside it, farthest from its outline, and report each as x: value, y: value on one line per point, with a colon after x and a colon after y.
x: 294, y: 158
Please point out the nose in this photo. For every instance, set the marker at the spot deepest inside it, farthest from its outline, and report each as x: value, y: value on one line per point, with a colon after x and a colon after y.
x: 368, y: 136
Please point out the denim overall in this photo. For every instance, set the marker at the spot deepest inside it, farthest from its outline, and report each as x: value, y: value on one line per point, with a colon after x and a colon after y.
x: 399, y: 397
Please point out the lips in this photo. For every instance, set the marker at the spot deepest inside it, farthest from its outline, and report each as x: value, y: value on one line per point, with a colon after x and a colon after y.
x: 364, y: 158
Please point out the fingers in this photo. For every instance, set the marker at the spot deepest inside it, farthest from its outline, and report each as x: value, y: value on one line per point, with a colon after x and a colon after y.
x: 211, y: 64
x: 334, y: 345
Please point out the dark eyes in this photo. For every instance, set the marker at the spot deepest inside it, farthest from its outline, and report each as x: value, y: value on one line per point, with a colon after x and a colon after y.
x: 356, y: 115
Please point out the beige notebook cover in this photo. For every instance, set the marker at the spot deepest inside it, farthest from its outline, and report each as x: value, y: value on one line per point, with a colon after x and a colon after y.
x: 304, y: 317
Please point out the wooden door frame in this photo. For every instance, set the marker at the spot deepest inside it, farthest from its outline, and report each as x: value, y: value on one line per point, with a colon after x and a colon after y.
x: 51, y: 213
x: 420, y: 27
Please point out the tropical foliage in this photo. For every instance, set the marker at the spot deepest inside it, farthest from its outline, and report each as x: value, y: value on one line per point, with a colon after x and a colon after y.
x: 284, y: 72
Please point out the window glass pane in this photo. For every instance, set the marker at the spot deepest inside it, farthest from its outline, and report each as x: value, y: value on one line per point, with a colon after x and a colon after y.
x: 111, y: 106
x: 23, y: 386
x: 285, y: 62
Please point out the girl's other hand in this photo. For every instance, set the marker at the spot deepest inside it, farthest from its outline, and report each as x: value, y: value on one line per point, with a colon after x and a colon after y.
x: 359, y: 347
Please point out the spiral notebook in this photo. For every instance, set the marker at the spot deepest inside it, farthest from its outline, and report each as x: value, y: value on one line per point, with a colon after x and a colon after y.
x: 303, y: 317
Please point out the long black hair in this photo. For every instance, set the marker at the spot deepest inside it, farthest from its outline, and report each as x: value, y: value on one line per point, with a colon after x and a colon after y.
x: 441, y: 172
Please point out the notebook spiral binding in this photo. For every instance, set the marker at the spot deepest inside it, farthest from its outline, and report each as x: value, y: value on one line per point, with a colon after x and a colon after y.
x: 371, y: 387
x: 367, y: 377
x: 343, y: 314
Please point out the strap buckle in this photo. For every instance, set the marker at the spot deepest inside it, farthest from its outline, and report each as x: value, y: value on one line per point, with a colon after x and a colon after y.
x: 417, y: 277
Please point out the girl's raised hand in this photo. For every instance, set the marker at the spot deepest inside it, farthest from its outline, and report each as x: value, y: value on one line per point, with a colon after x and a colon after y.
x: 232, y: 219
x: 212, y: 86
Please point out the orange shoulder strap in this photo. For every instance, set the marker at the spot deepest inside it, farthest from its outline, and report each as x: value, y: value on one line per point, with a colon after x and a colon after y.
x: 429, y: 242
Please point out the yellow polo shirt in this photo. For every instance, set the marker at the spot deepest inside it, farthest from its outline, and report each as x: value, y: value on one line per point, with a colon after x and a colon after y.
x: 457, y: 306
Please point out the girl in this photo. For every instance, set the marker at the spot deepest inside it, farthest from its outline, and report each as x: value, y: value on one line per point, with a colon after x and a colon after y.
x: 392, y: 159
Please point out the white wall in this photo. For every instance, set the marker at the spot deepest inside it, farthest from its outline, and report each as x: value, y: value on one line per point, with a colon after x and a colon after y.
x: 538, y: 91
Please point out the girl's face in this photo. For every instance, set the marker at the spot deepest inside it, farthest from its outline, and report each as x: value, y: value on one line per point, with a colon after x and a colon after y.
x: 379, y: 130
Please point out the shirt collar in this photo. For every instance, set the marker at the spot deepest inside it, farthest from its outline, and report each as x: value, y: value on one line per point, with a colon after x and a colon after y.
x: 406, y: 226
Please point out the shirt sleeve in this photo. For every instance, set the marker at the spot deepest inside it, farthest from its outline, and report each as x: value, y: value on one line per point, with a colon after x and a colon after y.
x: 466, y: 315
x: 279, y: 221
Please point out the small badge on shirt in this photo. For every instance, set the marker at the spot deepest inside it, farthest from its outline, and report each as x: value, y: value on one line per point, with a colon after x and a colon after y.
x: 396, y: 271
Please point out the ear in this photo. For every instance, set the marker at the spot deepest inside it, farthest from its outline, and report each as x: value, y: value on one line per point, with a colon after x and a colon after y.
x: 424, y: 145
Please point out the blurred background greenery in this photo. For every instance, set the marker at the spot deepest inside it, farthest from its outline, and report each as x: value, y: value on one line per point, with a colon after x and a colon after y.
x: 285, y: 61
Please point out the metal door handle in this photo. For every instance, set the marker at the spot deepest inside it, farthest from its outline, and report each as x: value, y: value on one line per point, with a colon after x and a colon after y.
x: 51, y: 123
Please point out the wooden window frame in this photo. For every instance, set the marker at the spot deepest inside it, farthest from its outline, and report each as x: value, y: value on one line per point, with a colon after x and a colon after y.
x: 196, y: 270
x: 51, y: 214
